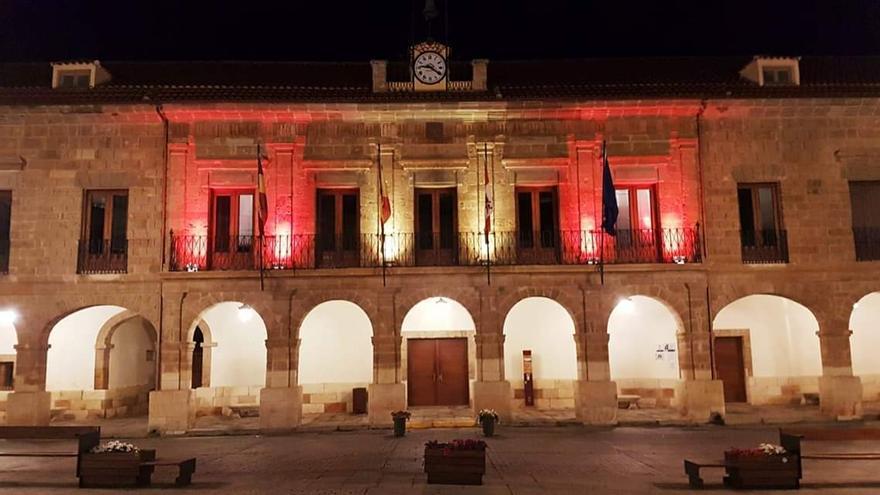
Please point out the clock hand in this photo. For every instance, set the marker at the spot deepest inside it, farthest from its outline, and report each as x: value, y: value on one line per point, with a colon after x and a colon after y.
x: 429, y: 67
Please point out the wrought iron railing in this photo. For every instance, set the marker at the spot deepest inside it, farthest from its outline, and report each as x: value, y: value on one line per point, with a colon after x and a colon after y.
x: 102, y: 256
x: 867, y: 242
x: 764, y: 246
x: 308, y: 251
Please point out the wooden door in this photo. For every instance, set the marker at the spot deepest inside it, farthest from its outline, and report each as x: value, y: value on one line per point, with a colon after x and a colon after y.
x: 437, y: 372
x: 730, y: 368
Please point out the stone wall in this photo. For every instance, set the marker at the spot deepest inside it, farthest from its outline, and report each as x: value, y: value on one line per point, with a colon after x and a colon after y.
x: 90, y: 404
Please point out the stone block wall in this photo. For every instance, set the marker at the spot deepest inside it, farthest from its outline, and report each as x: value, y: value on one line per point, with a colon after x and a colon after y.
x: 549, y: 394
x: 328, y: 397
x: 88, y: 404
x: 220, y: 401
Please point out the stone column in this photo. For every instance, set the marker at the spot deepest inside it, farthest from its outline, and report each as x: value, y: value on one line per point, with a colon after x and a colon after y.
x: 30, y: 403
x: 387, y: 393
x: 491, y: 390
x: 281, y: 398
x: 701, y: 394
x: 172, y: 407
x: 595, y: 398
x: 840, y: 393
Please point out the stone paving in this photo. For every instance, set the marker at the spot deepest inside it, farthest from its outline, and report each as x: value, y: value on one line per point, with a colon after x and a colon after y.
x: 519, y: 461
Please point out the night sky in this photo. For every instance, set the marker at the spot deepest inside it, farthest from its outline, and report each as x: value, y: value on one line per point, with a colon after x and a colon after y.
x: 48, y: 30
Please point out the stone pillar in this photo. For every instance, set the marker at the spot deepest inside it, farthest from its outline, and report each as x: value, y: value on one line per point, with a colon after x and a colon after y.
x: 386, y: 393
x: 172, y: 412
x: 278, y: 362
x: 491, y: 390
x: 172, y: 361
x: 595, y: 398
x: 280, y: 408
x: 30, y: 403
x: 701, y: 398
x: 840, y: 393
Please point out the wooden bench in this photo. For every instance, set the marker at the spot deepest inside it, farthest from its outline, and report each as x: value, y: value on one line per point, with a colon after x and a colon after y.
x: 87, y: 438
x: 791, y: 441
x: 185, y: 470
x: 692, y: 469
x: 628, y: 401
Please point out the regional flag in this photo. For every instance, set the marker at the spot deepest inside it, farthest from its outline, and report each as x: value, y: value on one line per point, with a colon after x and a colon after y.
x: 609, y: 197
x: 489, y: 203
x: 263, y: 210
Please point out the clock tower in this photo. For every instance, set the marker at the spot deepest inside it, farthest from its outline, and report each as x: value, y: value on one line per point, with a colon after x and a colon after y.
x: 429, y: 66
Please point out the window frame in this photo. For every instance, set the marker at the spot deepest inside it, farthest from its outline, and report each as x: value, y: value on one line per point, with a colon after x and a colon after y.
x: 234, y: 227
x: 6, y: 232
x: 776, y: 196
x: 107, y: 234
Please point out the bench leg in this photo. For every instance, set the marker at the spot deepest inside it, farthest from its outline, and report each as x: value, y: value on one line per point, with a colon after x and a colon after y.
x: 186, y: 471
x: 693, y: 473
x: 145, y: 475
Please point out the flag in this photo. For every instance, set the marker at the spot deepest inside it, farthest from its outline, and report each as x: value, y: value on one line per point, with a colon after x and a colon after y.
x: 489, y: 205
x: 609, y: 197
x: 263, y: 211
x: 386, y: 203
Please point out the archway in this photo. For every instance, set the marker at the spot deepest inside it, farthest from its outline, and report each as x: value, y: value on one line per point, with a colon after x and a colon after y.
x: 8, y: 341
x: 101, y: 362
x: 544, y: 327
x: 438, y: 353
x: 237, y: 368
x: 766, y: 350
x: 335, y: 356
x: 864, y: 321
x: 643, y: 351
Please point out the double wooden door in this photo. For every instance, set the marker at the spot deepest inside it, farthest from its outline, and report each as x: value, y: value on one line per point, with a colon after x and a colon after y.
x: 730, y: 368
x: 437, y: 372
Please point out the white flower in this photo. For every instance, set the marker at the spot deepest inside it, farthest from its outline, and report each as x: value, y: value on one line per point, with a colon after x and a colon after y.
x: 771, y: 449
x: 114, y: 446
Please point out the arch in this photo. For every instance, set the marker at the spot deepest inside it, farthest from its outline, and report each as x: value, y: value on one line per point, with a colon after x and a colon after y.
x: 463, y: 297
x: 311, y: 300
x: 238, y: 335
x: 434, y: 327
x: 8, y: 341
x: 781, y: 352
x: 70, y: 360
x: 125, y: 352
x: 544, y: 327
x: 864, y: 322
x: 564, y: 298
x: 643, y: 340
x: 336, y: 344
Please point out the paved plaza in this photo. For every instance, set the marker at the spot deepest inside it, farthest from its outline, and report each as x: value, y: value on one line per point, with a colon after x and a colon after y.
x: 567, y: 459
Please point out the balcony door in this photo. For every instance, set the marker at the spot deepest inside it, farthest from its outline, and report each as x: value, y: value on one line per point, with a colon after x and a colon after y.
x: 232, y: 231
x: 435, y: 222
x: 762, y: 236
x: 537, y: 221
x: 637, y: 239
x: 338, y: 239
x: 105, y: 232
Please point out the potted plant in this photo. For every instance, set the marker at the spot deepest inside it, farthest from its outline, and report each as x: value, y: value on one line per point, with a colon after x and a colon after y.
x: 768, y: 466
x: 459, y: 462
x: 487, y: 419
x: 400, y: 418
x: 112, y: 464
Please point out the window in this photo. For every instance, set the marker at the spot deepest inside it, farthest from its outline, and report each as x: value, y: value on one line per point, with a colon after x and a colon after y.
x: 637, y: 225
x: 779, y: 76
x: 762, y: 236
x: 435, y: 221
x: 434, y: 132
x: 74, y: 79
x: 232, y: 229
x: 5, y: 221
x: 865, y: 203
x: 537, y: 223
x: 338, y: 239
x: 104, y: 244
x: 7, y: 375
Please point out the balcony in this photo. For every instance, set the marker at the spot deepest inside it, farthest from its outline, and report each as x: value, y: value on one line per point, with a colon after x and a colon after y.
x: 309, y: 251
x: 97, y: 256
x: 764, y: 246
x: 867, y: 242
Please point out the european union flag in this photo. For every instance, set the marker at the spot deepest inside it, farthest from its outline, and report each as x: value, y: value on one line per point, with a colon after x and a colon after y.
x: 609, y: 198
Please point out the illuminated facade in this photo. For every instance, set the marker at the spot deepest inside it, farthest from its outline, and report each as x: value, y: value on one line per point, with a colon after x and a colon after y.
x: 129, y: 190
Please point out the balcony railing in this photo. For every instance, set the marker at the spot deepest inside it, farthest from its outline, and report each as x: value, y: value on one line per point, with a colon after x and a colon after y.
x: 764, y: 246
x: 102, y: 256
x: 867, y: 241
x: 309, y: 251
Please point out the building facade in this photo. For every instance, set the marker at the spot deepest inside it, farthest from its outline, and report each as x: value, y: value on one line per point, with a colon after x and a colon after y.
x: 743, y: 268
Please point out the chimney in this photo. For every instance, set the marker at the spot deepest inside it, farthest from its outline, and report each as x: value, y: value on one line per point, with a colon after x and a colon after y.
x: 480, y: 69
x: 380, y: 75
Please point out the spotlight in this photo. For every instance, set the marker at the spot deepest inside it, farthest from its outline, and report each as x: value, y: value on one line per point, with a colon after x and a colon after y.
x: 246, y: 313
x: 8, y: 316
x: 440, y: 300
x: 626, y: 305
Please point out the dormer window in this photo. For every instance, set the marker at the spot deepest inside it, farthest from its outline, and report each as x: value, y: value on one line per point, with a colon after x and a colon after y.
x: 78, y: 75
x: 74, y: 79
x: 777, y: 76
x: 773, y: 71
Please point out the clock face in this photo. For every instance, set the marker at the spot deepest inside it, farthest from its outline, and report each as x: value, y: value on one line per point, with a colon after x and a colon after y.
x: 429, y: 67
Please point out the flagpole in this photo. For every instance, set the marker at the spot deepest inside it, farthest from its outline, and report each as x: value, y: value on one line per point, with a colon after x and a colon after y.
x: 260, y: 186
x: 381, y: 222
x: 602, y: 230
x: 486, y: 213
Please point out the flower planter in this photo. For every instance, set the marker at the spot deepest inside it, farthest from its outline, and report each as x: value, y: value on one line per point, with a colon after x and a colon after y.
x: 399, y: 427
x: 765, y: 471
x: 455, y: 467
x: 112, y: 469
x: 488, y: 425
